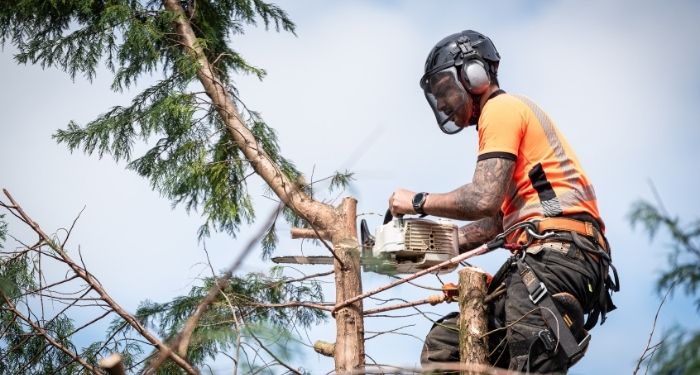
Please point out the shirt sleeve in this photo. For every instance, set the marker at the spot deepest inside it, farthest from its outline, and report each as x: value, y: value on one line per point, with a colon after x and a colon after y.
x: 500, y: 130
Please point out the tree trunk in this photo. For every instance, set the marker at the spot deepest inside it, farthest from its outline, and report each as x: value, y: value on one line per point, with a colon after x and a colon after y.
x: 350, y: 331
x: 340, y: 223
x: 473, y: 342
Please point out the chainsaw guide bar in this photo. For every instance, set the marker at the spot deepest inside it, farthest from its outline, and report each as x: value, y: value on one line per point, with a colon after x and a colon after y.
x: 400, y: 245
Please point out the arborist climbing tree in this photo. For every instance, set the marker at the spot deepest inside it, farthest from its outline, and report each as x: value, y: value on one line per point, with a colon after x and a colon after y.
x: 530, y: 194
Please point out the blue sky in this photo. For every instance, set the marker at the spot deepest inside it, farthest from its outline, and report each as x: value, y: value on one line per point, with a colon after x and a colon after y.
x: 619, y: 78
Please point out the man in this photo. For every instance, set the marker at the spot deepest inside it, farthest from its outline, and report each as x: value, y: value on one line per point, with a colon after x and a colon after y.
x: 529, y: 185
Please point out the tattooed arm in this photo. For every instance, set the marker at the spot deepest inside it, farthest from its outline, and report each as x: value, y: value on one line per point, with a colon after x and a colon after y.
x: 479, y: 232
x: 479, y: 199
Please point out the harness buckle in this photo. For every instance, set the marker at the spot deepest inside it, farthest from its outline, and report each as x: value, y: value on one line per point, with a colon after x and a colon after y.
x: 539, y: 293
x: 545, y: 335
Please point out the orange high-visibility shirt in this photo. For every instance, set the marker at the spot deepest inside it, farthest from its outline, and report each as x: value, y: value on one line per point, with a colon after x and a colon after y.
x: 548, y: 180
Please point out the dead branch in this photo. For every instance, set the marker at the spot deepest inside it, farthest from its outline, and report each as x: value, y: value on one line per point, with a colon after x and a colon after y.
x: 49, y: 286
x: 649, y: 349
x: 298, y: 233
x: 271, y: 354
x: 324, y: 348
x: 294, y: 304
x: 42, y: 332
x: 95, y: 284
x: 433, y: 300
x: 394, y: 331
x: 321, y: 274
x: 113, y: 364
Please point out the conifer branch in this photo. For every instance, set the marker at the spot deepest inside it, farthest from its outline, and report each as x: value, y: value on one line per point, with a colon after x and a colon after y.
x: 48, y: 338
x: 276, y: 358
x: 94, y: 284
x: 316, y: 213
x: 182, y: 340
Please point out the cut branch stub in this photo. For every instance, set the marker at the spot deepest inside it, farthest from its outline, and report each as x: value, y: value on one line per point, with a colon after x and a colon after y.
x: 310, y: 233
x: 324, y: 348
x: 113, y: 364
x: 473, y: 341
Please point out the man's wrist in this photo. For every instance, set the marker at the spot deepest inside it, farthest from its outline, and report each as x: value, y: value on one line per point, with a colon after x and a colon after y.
x: 419, y: 202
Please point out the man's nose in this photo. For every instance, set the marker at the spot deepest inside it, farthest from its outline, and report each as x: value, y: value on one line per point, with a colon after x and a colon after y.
x: 441, y: 105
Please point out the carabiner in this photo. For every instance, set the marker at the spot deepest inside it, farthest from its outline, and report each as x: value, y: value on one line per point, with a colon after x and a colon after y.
x: 540, y: 236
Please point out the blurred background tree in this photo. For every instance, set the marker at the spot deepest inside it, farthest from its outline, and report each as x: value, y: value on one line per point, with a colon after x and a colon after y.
x: 678, y: 352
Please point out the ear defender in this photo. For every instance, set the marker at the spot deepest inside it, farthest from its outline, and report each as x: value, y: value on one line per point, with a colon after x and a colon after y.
x: 474, y: 71
x: 476, y: 77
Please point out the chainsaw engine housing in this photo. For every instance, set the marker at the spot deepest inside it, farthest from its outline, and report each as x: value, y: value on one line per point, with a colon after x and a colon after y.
x: 408, y: 245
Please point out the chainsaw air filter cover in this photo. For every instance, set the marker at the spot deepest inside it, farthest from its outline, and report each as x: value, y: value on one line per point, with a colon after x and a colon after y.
x: 408, y: 245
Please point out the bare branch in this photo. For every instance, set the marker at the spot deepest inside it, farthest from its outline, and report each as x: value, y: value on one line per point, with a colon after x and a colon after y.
x: 268, y: 351
x: 70, y: 230
x: 395, y: 331
x: 49, y: 286
x: 320, y: 274
x: 648, y: 348
x: 41, y: 331
x: 433, y: 300
x: 95, y: 284
x: 294, y: 304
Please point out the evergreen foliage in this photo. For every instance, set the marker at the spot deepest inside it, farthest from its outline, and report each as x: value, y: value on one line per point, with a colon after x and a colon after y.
x: 679, y: 352
x: 192, y: 161
x: 22, y: 350
x: 243, y: 309
x: 248, y: 317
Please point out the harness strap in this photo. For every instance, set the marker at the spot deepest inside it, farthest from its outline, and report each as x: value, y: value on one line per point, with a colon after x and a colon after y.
x: 584, y: 228
x: 556, y: 323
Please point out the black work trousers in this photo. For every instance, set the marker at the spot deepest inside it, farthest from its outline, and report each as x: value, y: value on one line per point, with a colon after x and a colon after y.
x: 515, y: 322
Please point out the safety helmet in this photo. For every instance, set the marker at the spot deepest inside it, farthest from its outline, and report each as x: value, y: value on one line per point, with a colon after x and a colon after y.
x: 460, y: 67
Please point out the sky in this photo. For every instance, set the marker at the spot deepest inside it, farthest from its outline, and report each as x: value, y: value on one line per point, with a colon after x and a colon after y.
x: 619, y: 78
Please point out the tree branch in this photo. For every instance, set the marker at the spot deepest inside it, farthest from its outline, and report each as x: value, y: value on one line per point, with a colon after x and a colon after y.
x: 651, y: 334
x: 182, y: 340
x: 92, y: 282
x: 38, y: 329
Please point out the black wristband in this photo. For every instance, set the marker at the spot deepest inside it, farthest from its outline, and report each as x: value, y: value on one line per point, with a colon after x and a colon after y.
x: 419, y: 201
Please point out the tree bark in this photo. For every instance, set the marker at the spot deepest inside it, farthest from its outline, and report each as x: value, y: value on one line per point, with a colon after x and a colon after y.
x: 339, y: 224
x: 350, y: 330
x: 473, y: 342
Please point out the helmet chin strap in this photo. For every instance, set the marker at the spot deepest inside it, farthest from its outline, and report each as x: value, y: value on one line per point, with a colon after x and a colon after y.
x: 476, y: 109
x: 474, y: 120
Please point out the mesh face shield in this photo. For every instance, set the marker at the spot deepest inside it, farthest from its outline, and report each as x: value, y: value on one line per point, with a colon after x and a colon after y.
x: 447, y: 98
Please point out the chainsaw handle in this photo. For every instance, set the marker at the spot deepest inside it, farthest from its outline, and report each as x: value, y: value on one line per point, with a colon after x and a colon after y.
x: 388, y: 216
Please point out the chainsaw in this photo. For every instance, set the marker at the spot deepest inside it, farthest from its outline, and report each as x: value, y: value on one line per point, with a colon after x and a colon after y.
x: 401, y: 245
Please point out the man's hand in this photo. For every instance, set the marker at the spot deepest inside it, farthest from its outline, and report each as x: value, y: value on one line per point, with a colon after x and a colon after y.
x: 401, y: 202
